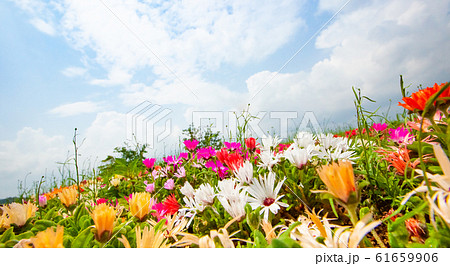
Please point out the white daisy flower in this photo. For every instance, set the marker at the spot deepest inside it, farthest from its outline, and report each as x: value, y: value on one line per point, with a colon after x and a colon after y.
x: 229, y: 189
x: 265, y: 195
x: 187, y: 190
x: 268, y: 160
x: 245, y: 173
x: 269, y: 143
x: 204, y: 194
x: 298, y: 156
x: 233, y: 197
x: 303, y: 139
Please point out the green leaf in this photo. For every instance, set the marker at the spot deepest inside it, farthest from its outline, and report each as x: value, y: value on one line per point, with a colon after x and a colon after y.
x: 260, y: 240
x: 67, y: 241
x: 79, y: 212
x: 363, y: 211
x: 84, y: 239
x: 25, y: 235
x: 41, y: 225
x: 84, y: 222
x: 397, y: 233
x: 11, y: 243
x: 276, y: 243
x: 49, y: 215
x: 7, y: 235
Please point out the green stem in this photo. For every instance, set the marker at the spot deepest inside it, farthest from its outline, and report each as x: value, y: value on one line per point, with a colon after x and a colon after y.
x: 352, y: 211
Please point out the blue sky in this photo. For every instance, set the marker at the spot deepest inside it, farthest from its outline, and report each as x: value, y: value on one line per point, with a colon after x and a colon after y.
x: 86, y: 63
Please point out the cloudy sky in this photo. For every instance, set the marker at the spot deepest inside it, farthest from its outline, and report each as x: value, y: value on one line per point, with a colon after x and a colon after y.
x: 107, y: 67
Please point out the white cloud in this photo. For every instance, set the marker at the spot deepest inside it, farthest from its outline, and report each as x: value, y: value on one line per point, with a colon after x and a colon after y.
x: 171, y: 35
x: 106, y: 132
x: 116, y: 76
x: 76, y: 108
x: 31, y: 152
x: 43, y: 26
x: 370, y: 47
x: 73, y: 71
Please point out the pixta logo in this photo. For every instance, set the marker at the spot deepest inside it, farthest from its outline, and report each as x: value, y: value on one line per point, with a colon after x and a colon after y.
x: 148, y: 123
x: 280, y: 122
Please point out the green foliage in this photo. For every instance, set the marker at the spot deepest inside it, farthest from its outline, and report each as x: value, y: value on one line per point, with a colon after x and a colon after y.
x: 205, y: 136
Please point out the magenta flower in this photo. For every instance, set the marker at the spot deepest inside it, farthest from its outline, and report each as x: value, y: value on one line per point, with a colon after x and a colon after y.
x: 160, y: 211
x: 191, y: 144
x: 42, y: 200
x: 129, y: 197
x: 149, y: 162
x: 379, y: 127
x: 232, y: 146
x: 109, y: 202
x: 169, y: 159
x: 183, y: 155
x: 149, y: 187
x: 206, y: 153
x: 170, y: 184
x: 400, y: 135
x: 218, y: 168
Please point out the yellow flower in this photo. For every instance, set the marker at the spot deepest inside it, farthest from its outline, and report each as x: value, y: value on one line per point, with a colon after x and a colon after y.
x: 340, y: 180
x: 115, y: 181
x: 141, y: 204
x: 4, y: 221
x: 103, y: 216
x: 68, y: 196
x: 148, y: 239
x: 49, y: 238
x: 16, y: 213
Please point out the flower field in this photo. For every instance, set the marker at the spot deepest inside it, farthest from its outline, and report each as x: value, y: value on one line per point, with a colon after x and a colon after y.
x: 382, y: 184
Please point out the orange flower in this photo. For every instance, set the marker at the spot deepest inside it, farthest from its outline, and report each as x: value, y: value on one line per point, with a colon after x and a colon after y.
x: 68, y: 196
x: 340, y: 180
x: 16, y: 213
x: 399, y: 159
x: 104, y: 217
x: 141, y: 204
x: 49, y: 238
x: 418, y: 100
x: 149, y: 238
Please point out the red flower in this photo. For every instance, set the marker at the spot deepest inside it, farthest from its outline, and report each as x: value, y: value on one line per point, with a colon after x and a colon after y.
x: 250, y: 143
x: 415, y: 228
x: 234, y: 161
x: 171, y: 205
x: 222, y: 155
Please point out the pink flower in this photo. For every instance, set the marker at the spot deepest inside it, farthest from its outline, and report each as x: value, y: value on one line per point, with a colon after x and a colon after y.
x: 170, y: 184
x: 191, y: 144
x: 149, y: 187
x: 181, y: 172
x: 379, y: 127
x: 401, y: 135
x: 155, y: 174
x: 149, y: 162
x: 42, y: 200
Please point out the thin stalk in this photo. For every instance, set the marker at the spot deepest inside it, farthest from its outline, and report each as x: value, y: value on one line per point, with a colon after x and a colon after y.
x: 76, y: 162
